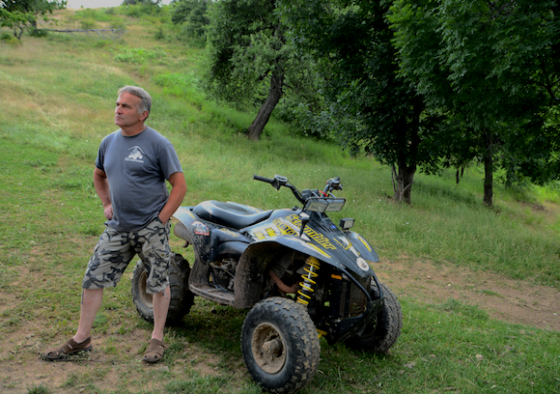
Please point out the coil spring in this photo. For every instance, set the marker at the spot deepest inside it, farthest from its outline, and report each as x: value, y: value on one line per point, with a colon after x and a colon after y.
x: 304, y: 295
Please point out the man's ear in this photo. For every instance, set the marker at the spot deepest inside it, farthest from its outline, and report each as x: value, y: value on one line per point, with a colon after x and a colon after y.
x: 144, y: 116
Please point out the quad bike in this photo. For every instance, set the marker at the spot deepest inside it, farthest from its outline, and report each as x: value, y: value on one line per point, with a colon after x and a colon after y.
x: 301, y: 276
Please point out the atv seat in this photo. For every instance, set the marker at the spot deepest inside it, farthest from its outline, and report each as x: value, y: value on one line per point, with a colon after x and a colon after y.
x: 229, y: 214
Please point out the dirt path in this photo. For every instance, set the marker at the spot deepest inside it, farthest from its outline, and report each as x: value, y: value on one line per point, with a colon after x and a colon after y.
x: 505, y: 299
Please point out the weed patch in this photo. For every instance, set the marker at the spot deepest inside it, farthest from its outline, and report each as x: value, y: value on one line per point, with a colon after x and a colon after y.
x: 141, y: 56
x: 40, y: 389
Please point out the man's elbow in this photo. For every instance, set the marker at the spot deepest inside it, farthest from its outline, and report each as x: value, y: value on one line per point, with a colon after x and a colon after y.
x: 183, y: 190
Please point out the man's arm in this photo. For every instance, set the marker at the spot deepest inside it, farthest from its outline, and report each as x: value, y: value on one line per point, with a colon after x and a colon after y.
x: 178, y: 190
x: 102, y: 188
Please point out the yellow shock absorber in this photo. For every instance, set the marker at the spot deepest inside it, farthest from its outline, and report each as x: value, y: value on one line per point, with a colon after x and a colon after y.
x: 304, y: 294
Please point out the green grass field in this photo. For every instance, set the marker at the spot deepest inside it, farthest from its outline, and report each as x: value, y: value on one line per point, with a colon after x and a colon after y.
x: 57, y: 98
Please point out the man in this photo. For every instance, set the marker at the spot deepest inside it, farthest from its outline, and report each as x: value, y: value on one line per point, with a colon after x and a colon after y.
x: 131, y: 168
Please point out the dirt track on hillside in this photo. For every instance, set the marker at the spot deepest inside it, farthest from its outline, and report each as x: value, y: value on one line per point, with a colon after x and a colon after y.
x: 504, y: 299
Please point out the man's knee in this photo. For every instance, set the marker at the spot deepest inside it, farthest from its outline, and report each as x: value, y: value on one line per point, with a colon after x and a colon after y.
x: 91, y: 297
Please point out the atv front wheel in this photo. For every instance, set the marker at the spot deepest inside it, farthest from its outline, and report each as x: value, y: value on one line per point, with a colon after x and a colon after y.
x: 383, y: 333
x: 181, y: 297
x: 280, y: 345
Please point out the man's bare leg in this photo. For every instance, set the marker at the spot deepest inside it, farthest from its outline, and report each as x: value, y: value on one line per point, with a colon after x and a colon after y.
x: 91, y: 301
x: 161, y: 306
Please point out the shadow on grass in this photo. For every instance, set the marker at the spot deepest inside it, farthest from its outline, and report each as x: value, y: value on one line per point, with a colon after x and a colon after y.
x: 441, y: 192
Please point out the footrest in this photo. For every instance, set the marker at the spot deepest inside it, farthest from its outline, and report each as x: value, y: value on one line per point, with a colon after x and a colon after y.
x: 211, y: 293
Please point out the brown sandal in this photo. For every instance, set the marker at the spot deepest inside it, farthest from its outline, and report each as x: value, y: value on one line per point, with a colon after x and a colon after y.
x: 155, y: 351
x: 67, y: 348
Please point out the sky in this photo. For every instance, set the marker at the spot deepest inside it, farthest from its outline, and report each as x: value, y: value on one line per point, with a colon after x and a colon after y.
x: 98, y: 3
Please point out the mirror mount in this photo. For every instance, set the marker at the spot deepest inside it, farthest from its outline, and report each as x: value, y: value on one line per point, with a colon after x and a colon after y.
x: 304, y: 220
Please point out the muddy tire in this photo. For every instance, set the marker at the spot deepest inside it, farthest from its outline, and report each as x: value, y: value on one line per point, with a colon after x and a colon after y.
x: 280, y: 345
x: 181, y: 297
x: 383, y: 333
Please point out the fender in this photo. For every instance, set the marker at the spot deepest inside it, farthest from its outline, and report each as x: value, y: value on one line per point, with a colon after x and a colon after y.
x: 186, y: 218
x: 362, y: 246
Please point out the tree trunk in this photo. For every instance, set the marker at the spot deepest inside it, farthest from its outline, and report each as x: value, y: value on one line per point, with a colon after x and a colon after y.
x: 404, y: 180
x: 407, y: 158
x: 274, y: 94
x: 18, y: 34
x: 488, y: 172
x: 34, y: 28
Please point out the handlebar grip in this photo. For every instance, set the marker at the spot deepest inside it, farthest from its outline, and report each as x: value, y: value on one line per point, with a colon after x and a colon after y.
x: 262, y: 179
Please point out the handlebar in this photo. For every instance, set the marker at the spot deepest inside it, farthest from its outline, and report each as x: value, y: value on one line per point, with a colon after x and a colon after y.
x: 263, y: 179
x: 279, y: 181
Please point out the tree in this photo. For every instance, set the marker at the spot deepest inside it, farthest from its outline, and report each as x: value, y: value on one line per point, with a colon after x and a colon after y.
x: 250, y: 57
x: 16, y: 20
x: 21, y: 15
x: 479, y: 60
x: 377, y: 110
x: 193, y: 14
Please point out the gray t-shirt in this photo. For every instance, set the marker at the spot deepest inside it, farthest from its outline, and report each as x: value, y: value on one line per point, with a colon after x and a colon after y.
x: 136, y: 169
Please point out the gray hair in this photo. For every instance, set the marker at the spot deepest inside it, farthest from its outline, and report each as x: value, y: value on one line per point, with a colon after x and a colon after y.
x: 146, y: 104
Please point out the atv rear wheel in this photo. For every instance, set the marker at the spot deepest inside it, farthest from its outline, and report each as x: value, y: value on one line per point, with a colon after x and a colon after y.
x: 383, y: 333
x: 181, y: 297
x: 280, y: 345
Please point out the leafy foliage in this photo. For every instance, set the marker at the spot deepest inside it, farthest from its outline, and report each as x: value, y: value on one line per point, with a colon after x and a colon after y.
x: 377, y: 110
x: 21, y: 15
x: 490, y: 65
x: 192, y: 14
x: 16, y: 20
x: 250, y: 59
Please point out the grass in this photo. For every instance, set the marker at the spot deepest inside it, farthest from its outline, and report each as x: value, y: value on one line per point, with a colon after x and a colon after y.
x: 38, y: 390
x: 57, y: 96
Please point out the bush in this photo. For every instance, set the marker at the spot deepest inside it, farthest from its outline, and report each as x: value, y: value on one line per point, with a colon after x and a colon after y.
x: 38, y: 33
x: 8, y: 38
x: 95, y: 15
x: 160, y: 34
x: 178, y: 85
x: 141, y: 56
x: 5, y: 36
x: 139, y: 10
x: 118, y: 23
x: 87, y: 24
x: 318, y: 124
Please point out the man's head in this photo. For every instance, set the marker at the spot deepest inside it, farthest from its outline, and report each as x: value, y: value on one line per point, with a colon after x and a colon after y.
x: 132, y: 109
x: 146, y: 99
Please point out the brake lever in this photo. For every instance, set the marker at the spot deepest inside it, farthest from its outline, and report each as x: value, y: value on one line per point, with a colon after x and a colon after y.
x: 279, y: 181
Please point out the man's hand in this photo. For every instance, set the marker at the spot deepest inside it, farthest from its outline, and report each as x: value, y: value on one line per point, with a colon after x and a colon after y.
x: 108, y: 211
x: 102, y: 189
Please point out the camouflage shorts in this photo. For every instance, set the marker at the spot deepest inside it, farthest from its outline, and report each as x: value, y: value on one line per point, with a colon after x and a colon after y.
x: 116, y: 249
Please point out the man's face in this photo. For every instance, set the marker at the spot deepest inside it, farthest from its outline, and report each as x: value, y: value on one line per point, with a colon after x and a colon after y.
x: 126, y: 110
